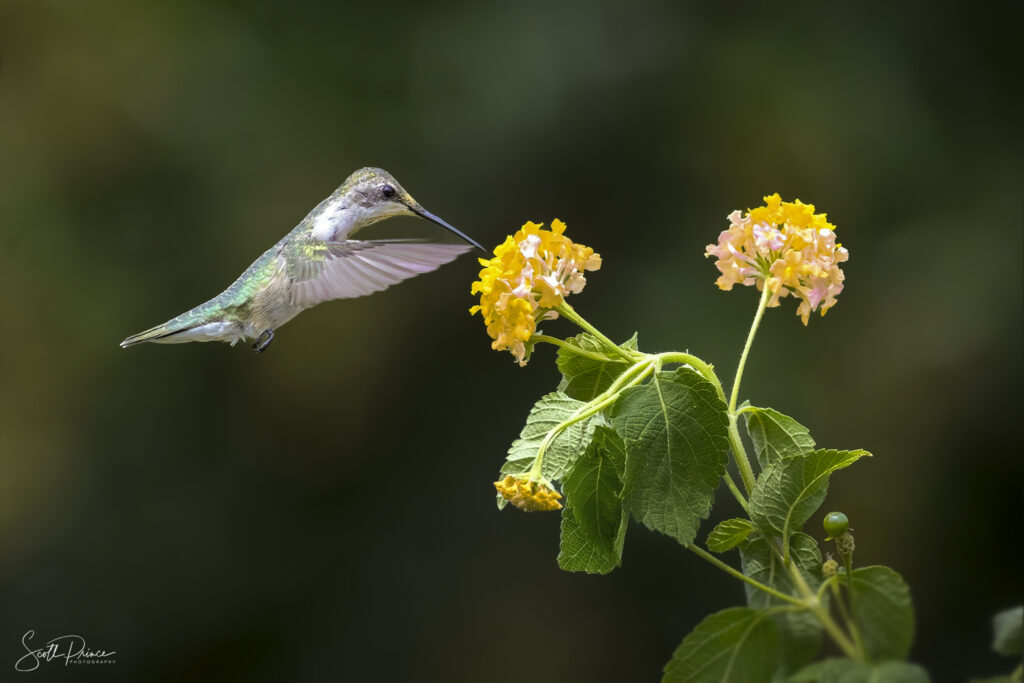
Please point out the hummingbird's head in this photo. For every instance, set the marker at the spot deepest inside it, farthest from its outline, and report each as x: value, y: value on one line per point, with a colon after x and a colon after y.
x: 373, y: 194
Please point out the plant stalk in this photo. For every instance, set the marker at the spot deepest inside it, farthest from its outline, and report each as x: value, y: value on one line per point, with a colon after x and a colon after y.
x: 739, y: 452
x: 814, y: 604
x: 570, y: 313
x: 593, y: 355
x: 700, y: 552
x: 634, y: 375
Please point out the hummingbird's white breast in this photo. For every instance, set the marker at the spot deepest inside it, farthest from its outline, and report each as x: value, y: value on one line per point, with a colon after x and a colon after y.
x: 340, y: 218
x: 332, y: 220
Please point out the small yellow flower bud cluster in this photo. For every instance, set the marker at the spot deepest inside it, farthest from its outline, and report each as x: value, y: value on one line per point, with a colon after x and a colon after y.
x: 845, y: 544
x: 531, y: 273
x: 829, y: 568
x: 785, y: 247
x: 530, y: 496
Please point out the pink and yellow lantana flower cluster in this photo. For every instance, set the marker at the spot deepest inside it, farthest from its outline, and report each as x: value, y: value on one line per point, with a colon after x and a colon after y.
x: 786, y: 248
x: 530, y: 274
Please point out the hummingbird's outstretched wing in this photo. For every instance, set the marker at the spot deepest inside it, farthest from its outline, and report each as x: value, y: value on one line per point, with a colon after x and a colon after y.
x: 321, y: 271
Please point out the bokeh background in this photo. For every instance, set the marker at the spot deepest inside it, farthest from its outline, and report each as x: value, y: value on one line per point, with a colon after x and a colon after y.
x: 324, y: 511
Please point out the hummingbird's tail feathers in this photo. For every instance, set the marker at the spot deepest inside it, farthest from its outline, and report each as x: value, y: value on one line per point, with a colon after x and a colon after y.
x: 152, y: 334
x: 182, y: 330
x: 170, y: 332
x: 356, y: 268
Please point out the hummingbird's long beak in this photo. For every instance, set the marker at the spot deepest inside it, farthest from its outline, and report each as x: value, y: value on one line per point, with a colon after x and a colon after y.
x: 423, y: 213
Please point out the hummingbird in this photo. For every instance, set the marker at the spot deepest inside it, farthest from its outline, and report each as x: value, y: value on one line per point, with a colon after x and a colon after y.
x: 317, y: 261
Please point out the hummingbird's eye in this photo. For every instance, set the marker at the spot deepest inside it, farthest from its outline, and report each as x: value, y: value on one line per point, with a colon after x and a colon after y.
x: 387, y: 191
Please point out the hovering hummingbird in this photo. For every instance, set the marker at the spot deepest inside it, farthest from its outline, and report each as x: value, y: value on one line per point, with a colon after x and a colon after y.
x: 317, y: 261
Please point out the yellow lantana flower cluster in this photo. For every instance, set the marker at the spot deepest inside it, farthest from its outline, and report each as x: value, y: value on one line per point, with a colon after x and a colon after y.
x: 530, y: 496
x: 785, y: 247
x: 531, y: 273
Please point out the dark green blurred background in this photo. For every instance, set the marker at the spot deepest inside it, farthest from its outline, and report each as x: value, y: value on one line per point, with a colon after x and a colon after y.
x: 325, y: 510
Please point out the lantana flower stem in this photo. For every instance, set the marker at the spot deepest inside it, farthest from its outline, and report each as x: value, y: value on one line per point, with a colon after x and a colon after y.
x: 593, y: 355
x: 837, y: 597
x: 700, y: 552
x: 854, y: 629
x: 704, y: 369
x: 570, y: 313
x: 736, y: 493
x: 814, y: 604
x: 738, y: 450
x: 765, y: 294
x: 808, y: 599
x: 630, y: 377
x: 739, y: 454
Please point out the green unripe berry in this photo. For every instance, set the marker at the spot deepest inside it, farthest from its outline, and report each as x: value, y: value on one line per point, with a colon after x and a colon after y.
x: 836, y: 524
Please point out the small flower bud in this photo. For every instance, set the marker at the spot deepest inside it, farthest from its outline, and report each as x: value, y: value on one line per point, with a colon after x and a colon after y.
x: 830, y: 568
x: 531, y: 496
x: 845, y: 544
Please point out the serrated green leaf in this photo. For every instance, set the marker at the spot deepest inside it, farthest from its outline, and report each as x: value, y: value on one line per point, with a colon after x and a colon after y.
x: 728, y: 534
x: 674, y: 427
x: 736, y: 645
x: 898, y: 672
x: 594, y: 485
x: 547, y: 415
x: 789, y: 490
x: 760, y: 563
x: 1008, y: 631
x: 775, y: 435
x: 849, y: 671
x: 832, y: 670
x: 883, y: 611
x: 594, y: 521
x: 578, y: 553
x: 584, y: 378
x: 799, y: 632
x: 814, y: 673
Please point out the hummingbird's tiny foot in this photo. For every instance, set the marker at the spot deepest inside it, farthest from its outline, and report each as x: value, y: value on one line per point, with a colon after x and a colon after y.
x: 263, y: 341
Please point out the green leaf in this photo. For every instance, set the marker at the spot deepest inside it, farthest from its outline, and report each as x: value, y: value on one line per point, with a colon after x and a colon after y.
x: 549, y: 415
x: 728, y: 534
x: 674, y: 427
x: 849, y: 671
x: 833, y: 670
x: 760, y: 563
x: 1008, y: 631
x: 799, y: 632
x: 594, y: 521
x: 585, y: 378
x: 775, y: 435
x: 789, y: 490
x: 830, y: 670
x: 579, y: 553
x: 898, y: 672
x: 882, y: 609
x: 736, y: 645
